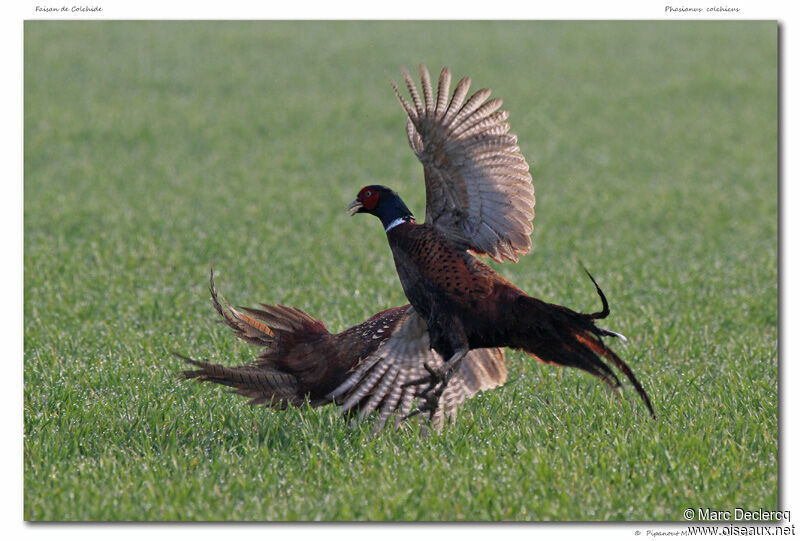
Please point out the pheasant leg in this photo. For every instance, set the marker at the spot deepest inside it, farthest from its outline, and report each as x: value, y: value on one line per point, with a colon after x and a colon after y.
x: 437, y: 380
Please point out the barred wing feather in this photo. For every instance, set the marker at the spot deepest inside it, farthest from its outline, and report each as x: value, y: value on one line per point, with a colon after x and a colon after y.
x: 380, y: 382
x: 478, y: 186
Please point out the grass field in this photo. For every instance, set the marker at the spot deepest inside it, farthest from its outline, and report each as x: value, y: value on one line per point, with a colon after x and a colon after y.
x: 155, y: 149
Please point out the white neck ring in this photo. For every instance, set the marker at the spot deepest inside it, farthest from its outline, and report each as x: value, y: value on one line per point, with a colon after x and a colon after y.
x: 395, y: 223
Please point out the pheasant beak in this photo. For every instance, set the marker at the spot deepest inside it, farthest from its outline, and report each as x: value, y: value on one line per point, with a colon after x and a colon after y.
x: 354, y: 207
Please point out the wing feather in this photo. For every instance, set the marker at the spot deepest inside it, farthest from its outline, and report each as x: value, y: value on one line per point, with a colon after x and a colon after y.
x: 475, y: 174
x: 462, y: 88
x: 367, y: 385
x: 427, y: 91
x: 479, y: 123
x: 389, y: 405
x: 472, y: 105
x: 442, y: 92
x: 404, y: 408
x: 378, y: 384
x: 381, y: 390
x: 412, y: 90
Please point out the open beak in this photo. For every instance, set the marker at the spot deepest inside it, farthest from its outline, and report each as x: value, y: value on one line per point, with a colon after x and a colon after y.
x: 354, y: 207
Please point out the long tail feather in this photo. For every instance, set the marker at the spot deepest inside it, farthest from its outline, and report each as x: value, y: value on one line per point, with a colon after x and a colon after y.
x: 601, y: 349
x: 280, y: 376
x: 558, y: 335
x: 604, y: 312
x: 271, y: 387
x: 609, y: 354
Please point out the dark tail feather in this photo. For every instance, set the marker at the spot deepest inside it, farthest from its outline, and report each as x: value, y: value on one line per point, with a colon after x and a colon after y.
x: 262, y: 386
x: 583, y: 350
x: 277, y: 378
x: 605, y: 311
x: 601, y: 349
x: 567, y: 351
x: 602, y: 314
x: 272, y: 326
x: 558, y: 335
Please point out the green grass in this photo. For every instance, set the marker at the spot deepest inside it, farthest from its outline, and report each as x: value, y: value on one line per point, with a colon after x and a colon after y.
x: 155, y: 149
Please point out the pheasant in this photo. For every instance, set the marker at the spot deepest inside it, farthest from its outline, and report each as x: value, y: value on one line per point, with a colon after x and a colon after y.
x: 302, y: 363
x: 480, y: 201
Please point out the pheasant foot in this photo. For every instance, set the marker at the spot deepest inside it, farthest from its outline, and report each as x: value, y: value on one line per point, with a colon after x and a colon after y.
x: 437, y: 380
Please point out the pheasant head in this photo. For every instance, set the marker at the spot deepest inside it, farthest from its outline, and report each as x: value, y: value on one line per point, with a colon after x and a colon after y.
x: 382, y: 202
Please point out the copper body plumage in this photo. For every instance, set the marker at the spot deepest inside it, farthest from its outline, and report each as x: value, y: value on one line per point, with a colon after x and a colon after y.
x: 479, y: 201
x: 446, y: 346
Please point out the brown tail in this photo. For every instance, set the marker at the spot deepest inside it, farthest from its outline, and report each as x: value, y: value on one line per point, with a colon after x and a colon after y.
x: 261, y: 385
x: 280, y: 376
x: 275, y: 327
x: 557, y: 335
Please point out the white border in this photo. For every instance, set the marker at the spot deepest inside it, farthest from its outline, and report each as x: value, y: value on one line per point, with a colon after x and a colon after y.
x: 411, y: 9
x: 11, y: 214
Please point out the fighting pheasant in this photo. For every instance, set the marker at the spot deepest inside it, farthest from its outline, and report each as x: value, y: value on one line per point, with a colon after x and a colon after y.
x: 302, y: 363
x: 480, y: 200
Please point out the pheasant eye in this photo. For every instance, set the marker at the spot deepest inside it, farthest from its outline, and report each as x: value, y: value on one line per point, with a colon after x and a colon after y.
x: 368, y: 193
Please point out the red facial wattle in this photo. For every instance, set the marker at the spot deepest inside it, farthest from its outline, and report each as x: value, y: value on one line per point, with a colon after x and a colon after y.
x: 368, y: 198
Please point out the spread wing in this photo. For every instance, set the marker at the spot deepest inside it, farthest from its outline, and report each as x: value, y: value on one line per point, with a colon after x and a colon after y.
x: 381, y: 381
x: 477, y: 183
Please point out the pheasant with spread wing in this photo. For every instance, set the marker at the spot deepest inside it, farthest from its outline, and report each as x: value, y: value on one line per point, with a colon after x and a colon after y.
x: 365, y: 368
x: 480, y: 200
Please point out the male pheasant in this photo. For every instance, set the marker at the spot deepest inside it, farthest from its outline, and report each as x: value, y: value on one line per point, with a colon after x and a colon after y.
x: 365, y: 368
x: 480, y: 200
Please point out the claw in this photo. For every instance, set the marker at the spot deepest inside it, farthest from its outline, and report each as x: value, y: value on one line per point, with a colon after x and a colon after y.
x: 434, y: 376
x: 428, y: 406
x: 431, y: 397
x: 436, y: 381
